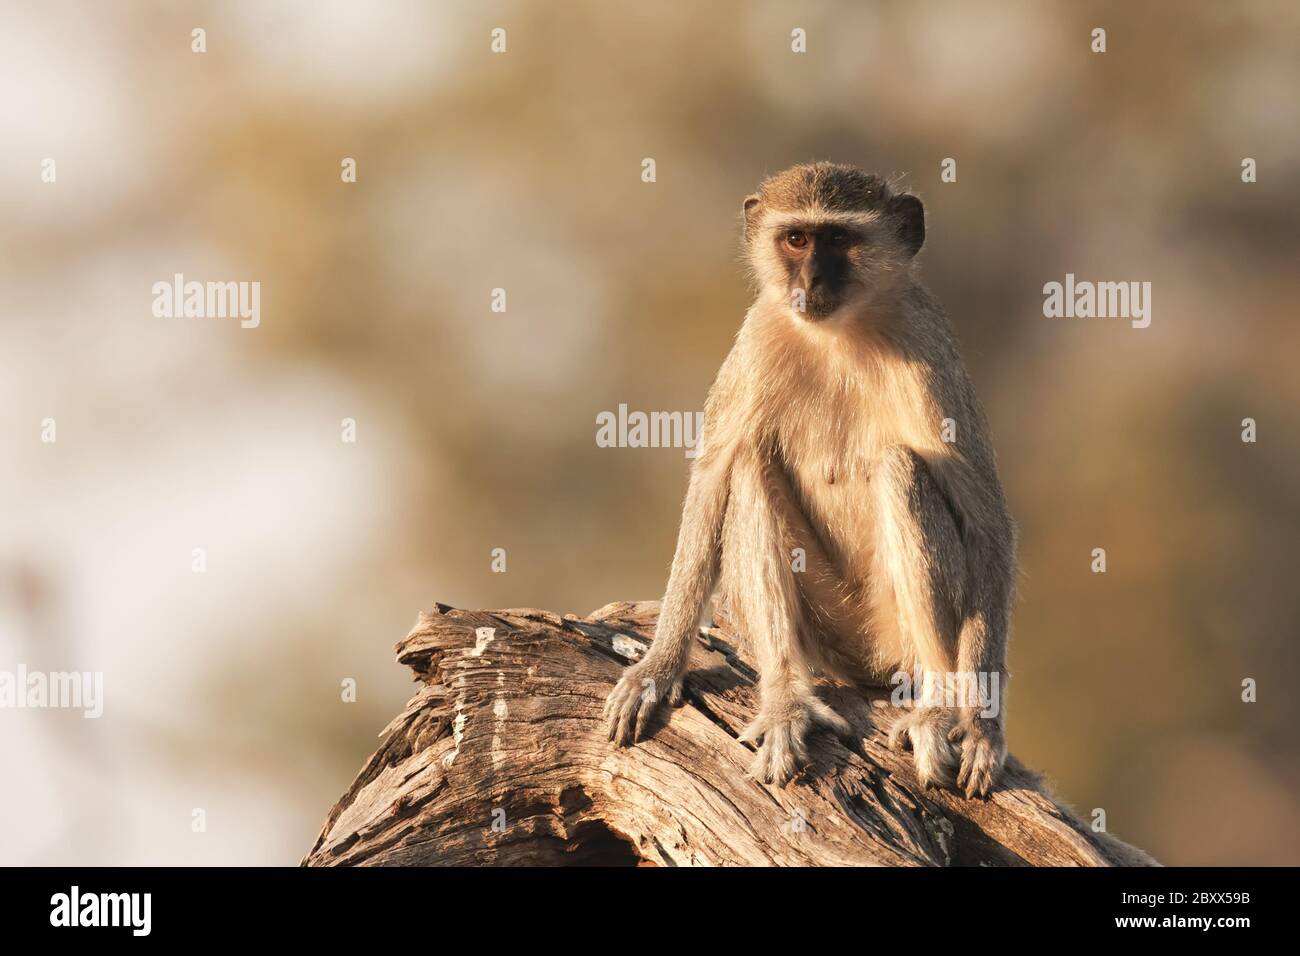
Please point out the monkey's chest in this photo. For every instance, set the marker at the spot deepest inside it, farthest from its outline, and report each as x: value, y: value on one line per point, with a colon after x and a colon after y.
x: 834, y: 464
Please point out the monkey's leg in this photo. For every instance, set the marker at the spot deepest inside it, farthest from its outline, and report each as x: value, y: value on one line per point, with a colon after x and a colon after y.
x: 765, y: 602
x: 838, y: 642
x: 658, y: 676
x: 917, y: 580
x: 980, y: 732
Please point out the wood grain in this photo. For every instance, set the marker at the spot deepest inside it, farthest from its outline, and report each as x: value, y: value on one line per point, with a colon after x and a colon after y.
x: 502, y: 758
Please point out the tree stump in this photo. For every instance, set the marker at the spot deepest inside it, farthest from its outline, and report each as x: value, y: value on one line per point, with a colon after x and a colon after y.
x: 502, y: 758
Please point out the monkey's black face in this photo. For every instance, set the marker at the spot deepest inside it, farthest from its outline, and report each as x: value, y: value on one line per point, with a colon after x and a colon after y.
x: 819, y: 267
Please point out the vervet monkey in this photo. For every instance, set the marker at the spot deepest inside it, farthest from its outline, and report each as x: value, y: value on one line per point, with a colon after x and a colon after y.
x: 825, y: 431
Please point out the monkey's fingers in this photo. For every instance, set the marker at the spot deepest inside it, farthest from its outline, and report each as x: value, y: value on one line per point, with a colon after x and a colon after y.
x: 900, y: 737
x: 753, y: 732
x: 623, y: 724
x: 615, y: 699
x: 620, y: 710
x: 644, y: 713
x: 782, y: 751
x: 794, y: 735
x: 676, y: 694
x: 979, y: 761
x: 963, y: 774
x: 824, y: 715
x: 973, y: 782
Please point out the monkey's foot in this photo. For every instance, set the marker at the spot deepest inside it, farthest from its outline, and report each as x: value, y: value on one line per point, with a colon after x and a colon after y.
x: 782, y: 733
x: 983, y: 751
x: 924, y: 731
x: 634, y: 699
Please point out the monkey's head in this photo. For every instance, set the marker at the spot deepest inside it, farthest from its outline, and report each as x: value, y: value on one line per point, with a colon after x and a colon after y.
x: 824, y: 237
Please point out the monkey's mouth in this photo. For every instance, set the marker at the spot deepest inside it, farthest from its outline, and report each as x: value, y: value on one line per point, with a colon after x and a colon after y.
x: 820, y: 306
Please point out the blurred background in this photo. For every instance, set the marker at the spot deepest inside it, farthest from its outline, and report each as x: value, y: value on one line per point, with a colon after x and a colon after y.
x: 476, y: 429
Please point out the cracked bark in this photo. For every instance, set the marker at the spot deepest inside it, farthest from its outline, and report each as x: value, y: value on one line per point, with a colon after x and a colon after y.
x: 501, y: 758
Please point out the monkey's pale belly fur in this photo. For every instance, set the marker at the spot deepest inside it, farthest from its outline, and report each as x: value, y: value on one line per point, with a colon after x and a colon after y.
x: 841, y: 562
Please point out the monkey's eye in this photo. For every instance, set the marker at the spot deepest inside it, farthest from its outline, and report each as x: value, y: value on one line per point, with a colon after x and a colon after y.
x: 796, y: 239
x: 837, y: 237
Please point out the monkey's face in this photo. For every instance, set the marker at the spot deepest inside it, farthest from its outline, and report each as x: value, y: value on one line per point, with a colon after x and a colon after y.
x: 828, y: 239
x: 821, y: 267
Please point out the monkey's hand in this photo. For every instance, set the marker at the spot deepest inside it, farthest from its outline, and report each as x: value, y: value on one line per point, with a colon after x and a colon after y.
x: 782, y: 731
x: 925, y: 731
x: 636, y: 696
x: 983, y: 748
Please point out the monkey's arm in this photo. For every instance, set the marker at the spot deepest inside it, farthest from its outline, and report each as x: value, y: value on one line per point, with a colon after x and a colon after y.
x: 695, y: 565
x: 695, y: 570
x: 988, y: 542
x: 982, y: 650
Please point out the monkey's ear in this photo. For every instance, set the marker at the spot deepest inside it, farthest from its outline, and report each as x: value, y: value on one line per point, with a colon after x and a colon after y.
x: 909, y: 214
x: 750, y: 209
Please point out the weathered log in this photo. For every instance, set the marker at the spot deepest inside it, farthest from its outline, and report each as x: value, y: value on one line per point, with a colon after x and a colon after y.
x: 502, y: 758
